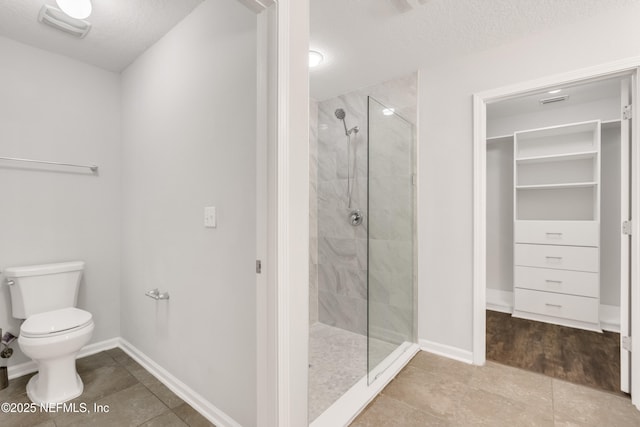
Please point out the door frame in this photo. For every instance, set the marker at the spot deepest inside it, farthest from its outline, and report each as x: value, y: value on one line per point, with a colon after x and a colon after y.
x: 290, y: 224
x: 480, y: 101
x: 266, y: 168
x: 282, y: 299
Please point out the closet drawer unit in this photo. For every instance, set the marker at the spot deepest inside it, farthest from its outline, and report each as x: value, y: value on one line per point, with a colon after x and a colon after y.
x: 560, y: 257
x: 571, y: 307
x: 560, y: 281
x: 568, y: 233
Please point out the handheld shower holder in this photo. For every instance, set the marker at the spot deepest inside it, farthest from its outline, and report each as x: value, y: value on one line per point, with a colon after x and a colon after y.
x: 156, y: 295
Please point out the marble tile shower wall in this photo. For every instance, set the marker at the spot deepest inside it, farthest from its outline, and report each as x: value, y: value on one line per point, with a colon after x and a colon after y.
x: 313, y: 212
x: 341, y: 247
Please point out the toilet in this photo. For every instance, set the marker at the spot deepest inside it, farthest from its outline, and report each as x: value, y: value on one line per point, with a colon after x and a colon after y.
x: 54, y: 330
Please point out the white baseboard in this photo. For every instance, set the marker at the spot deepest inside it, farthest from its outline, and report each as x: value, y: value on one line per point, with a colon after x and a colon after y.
x: 199, y: 403
x: 499, y: 300
x: 349, y: 405
x: 610, y: 318
x: 447, y: 351
x: 30, y: 366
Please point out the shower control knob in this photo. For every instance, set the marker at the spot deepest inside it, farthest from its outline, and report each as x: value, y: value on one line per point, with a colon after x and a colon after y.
x: 355, y: 217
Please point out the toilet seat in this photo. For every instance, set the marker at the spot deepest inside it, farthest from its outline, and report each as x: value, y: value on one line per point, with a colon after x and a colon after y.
x: 57, y: 322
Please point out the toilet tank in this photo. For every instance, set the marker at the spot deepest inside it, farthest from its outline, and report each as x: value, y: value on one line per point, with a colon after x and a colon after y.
x: 38, y: 288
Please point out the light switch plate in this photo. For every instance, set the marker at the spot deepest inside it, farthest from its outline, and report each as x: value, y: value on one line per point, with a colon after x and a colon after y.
x: 210, y: 220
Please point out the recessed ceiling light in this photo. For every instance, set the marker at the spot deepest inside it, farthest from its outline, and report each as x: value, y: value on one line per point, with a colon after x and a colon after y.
x: 552, y: 92
x: 388, y: 111
x: 315, y: 58
x: 79, y: 9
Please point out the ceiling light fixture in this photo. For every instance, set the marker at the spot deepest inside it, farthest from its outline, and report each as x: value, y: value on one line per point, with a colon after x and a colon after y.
x: 315, y: 58
x: 79, y: 9
x: 61, y: 21
x: 388, y: 111
x: 552, y: 92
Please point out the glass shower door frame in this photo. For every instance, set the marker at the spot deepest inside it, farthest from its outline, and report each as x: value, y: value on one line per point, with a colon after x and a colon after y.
x: 391, y: 328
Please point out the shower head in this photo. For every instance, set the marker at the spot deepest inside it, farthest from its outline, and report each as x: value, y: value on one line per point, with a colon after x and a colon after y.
x: 340, y: 114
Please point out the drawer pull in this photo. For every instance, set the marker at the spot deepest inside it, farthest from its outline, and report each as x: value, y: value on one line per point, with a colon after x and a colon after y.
x: 554, y: 258
x: 553, y: 281
x: 553, y: 235
x: 553, y: 305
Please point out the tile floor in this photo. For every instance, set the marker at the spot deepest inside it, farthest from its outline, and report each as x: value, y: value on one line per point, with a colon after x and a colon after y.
x: 133, y: 395
x: 337, y: 360
x: 435, y: 391
x: 430, y: 391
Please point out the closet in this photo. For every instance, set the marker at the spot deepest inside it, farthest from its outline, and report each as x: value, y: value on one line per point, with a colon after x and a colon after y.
x: 556, y: 196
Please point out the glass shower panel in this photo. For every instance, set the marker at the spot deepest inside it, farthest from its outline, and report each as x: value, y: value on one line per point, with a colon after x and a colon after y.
x: 391, y: 211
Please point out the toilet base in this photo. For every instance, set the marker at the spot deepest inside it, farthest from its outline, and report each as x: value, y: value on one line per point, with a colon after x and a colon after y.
x: 35, y: 393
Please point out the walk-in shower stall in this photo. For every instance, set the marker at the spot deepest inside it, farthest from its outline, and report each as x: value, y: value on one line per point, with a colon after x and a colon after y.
x: 362, y: 228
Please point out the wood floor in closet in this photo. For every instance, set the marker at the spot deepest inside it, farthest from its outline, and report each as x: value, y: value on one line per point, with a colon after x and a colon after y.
x: 575, y: 355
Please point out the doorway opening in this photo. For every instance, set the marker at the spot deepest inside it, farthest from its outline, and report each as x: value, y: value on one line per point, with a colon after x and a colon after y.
x: 554, y: 280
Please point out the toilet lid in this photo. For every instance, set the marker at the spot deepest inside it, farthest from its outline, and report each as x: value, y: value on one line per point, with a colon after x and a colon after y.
x: 55, y: 321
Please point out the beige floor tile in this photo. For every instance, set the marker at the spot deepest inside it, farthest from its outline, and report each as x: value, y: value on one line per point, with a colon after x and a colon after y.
x: 480, y: 407
x: 130, y: 407
x: 433, y: 363
x: 561, y: 422
x: 113, y: 378
x: 516, y: 384
x: 192, y: 417
x: 95, y: 361
x: 586, y: 406
x: 17, y: 387
x: 168, y: 419
x: 388, y: 412
x: 103, y: 381
x: 167, y: 397
x: 118, y: 355
x: 431, y: 392
x: 31, y: 417
x: 140, y: 374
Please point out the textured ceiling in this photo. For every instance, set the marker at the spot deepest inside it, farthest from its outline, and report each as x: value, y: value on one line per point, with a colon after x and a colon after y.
x: 370, y: 41
x: 122, y: 29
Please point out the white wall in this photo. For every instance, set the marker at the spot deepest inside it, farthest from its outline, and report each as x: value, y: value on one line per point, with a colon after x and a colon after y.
x: 189, y: 129
x: 604, y: 109
x: 58, y: 109
x: 446, y: 152
x: 500, y: 215
x: 610, y: 217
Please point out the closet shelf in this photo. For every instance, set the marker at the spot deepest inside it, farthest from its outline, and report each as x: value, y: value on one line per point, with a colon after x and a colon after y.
x: 558, y: 157
x: 606, y: 124
x: 501, y: 138
x: 557, y: 186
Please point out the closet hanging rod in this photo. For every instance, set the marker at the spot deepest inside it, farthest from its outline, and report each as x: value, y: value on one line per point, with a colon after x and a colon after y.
x: 94, y: 168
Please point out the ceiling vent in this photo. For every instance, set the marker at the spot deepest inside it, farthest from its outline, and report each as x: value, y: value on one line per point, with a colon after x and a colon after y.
x: 58, y: 19
x: 554, y: 99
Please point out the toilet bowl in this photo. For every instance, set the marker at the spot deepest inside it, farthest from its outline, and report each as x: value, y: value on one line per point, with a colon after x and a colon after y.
x: 53, y: 339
